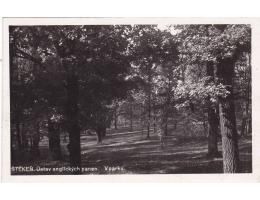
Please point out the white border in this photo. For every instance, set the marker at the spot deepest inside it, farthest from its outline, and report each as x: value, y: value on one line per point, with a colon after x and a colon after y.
x: 251, y: 177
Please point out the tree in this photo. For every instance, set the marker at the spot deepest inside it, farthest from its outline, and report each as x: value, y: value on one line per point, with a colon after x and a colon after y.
x: 26, y: 100
x: 95, y: 63
x: 153, y: 49
x: 77, y: 78
x: 76, y: 58
x: 242, y: 92
x: 221, y: 44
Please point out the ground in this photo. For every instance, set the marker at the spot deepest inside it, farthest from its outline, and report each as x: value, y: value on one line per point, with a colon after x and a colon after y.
x: 130, y: 152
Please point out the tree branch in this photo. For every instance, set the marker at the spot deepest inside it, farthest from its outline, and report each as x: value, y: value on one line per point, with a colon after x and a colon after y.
x: 28, y: 56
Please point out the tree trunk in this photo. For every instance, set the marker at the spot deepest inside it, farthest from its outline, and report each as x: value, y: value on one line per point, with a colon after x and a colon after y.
x: 205, y: 128
x: 18, y: 136
x: 249, y: 131
x: 149, y: 115
x: 56, y: 147
x: 101, y: 133
x: 244, y: 123
x: 175, y: 124
x: 148, y: 130
x: 99, y: 136
x: 154, y: 118
x: 131, y: 119
x: 166, y: 127
x: 167, y: 105
x: 212, y: 133
x: 36, y: 141
x: 243, y: 127
x: 149, y: 118
x: 149, y: 102
x: 154, y: 124
x: 165, y: 117
x: 125, y: 124
x: 54, y: 140
x: 73, y: 124
x: 104, y: 132
x: 50, y: 135
x: 24, y: 138
x: 166, y: 121
x: 212, y: 119
x: 115, y: 118
x: 225, y: 73
x: 248, y: 98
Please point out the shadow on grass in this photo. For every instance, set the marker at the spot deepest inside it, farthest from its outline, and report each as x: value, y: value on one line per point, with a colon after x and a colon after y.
x: 131, y: 153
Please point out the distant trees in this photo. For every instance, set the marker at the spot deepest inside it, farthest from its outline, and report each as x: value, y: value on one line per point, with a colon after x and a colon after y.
x: 155, y: 56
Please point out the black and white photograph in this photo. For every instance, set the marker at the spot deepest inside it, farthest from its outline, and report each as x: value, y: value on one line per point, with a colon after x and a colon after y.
x: 110, y: 99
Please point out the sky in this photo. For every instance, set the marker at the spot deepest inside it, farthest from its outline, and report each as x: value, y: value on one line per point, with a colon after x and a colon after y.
x: 166, y: 26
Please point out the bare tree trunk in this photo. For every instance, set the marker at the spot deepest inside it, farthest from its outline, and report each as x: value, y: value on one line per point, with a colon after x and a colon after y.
x: 101, y: 133
x: 246, y: 126
x: 115, y: 118
x: 154, y: 124
x: 18, y: 136
x: 165, y: 116
x: 154, y: 118
x: 142, y: 120
x: 148, y: 130
x: 175, y: 124
x: 131, y: 116
x: 149, y: 116
x: 166, y: 124
x: 149, y: 104
x: 205, y: 128
x: 249, y: 94
x: 167, y: 104
x: 54, y: 140
x: 212, y: 133
x: 36, y: 141
x: 249, y: 131
x: 23, y: 136
x: 99, y: 137
x: 225, y: 73
x: 212, y: 119
x: 73, y: 124
x: 245, y: 120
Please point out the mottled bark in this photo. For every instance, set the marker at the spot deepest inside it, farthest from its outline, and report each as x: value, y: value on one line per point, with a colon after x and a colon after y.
x: 225, y: 73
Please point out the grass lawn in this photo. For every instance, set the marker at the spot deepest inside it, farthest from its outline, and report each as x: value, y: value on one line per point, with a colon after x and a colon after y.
x: 128, y: 152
